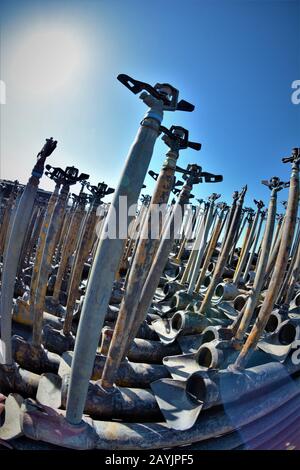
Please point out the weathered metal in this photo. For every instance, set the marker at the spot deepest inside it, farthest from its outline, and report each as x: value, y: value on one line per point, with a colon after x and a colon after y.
x: 14, y: 246
x: 199, y: 258
x: 212, y: 245
x: 248, y: 276
x: 109, y: 251
x: 176, y: 139
x: 33, y: 357
x: 223, y: 257
x: 69, y: 243
x: 275, y: 185
x: 7, y: 215
x: 37, y: 422
x: 193, y: 176
x: 280, y: 265
x: 15, y: 379
x: 130, y: 374
x: 83, y: 249
x: 67, y: 178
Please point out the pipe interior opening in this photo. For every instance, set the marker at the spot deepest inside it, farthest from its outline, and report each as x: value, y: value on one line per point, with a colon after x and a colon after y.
x: 196, y: 387
x: 204, y: 357
x: 208, y: 336
x: 219, y: 291
x: 272, y: 324
x: 177, y: 322
x: 287, y: 334
x: 239, y: 303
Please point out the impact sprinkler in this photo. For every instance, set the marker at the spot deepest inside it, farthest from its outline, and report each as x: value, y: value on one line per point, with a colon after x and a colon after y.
x: 230, y: 290
x: 176, y: 139
x: 70, y: 242
x: 34, y: 352
x: 160, y: 98
x: 14, y: 247
x: 223, y: 208
x: 240, y: 326
x: 280, y: 265
x: 60, y: 341
x: 223, y: 256
x: 192, y: 175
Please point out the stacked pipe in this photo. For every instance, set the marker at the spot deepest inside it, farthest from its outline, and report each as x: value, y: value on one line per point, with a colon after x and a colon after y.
x: 156, y: 320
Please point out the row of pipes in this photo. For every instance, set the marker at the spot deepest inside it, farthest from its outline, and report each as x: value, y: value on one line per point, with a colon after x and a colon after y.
x: 120, y: 342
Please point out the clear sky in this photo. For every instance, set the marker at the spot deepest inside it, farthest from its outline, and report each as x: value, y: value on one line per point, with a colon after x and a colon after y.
x: 235, y: 60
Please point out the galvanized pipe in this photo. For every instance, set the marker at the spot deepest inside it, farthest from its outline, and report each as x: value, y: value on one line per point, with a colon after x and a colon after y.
x: 200, y: 254
x: 247, y: 246
x: 82, y: 251
x: 108, y: 255
x: 193, y: 254
x: 45, y: 267
x: 125, y: 436
x: 223, y: 256
x: 249, y: 263
x: 8, y: 212
x: 142, y: 262
x: 161, y: 256
x: 14, y: 246
x: 280, y: 265
x: 68, y: 246
x: 211, y: 247
x: 291, y: 274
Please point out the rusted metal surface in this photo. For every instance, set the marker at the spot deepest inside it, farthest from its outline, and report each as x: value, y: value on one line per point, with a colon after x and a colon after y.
x: 143, y: 259
x: 14, y: 246
x: 275, y: 185
x: 217, y: 275
x: 178, y: 340
x: 280, y: 265
x: 108, y: 254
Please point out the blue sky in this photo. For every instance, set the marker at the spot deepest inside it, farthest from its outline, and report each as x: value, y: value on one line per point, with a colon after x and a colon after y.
x: 235, y: 60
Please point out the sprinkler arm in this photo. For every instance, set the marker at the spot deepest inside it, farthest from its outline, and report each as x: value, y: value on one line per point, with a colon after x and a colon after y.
x: 161, y: 91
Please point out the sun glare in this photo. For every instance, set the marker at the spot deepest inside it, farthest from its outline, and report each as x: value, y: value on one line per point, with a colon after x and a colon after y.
x: 46, y: 60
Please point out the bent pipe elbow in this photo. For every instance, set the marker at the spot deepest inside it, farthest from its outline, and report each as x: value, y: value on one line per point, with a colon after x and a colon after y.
x: 56, y: 341
x: 142, y: 350
x: 239, y: 302
x: 182, y: 299
x: 14, y: 379
x: 170, y: 289
x: 274, y: 322
x: 225, y: 291
x: 188, y: 322
x: 33, y: 358
x: 105, y: 435
x: 132, y: 374
x: 231, y: 385
x: 119, y: 402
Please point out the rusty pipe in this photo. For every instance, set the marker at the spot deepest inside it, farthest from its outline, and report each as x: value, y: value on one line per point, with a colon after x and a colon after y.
x: 14, y: 246
x: 223, y: 256
x: 280, y: 265
x: 108, y: 254
x: 211, y: 248
x: 48, y: 252
x: 68, y: 247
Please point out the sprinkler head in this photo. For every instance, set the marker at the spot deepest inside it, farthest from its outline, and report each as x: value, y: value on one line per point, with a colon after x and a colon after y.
x: 162, y: 91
